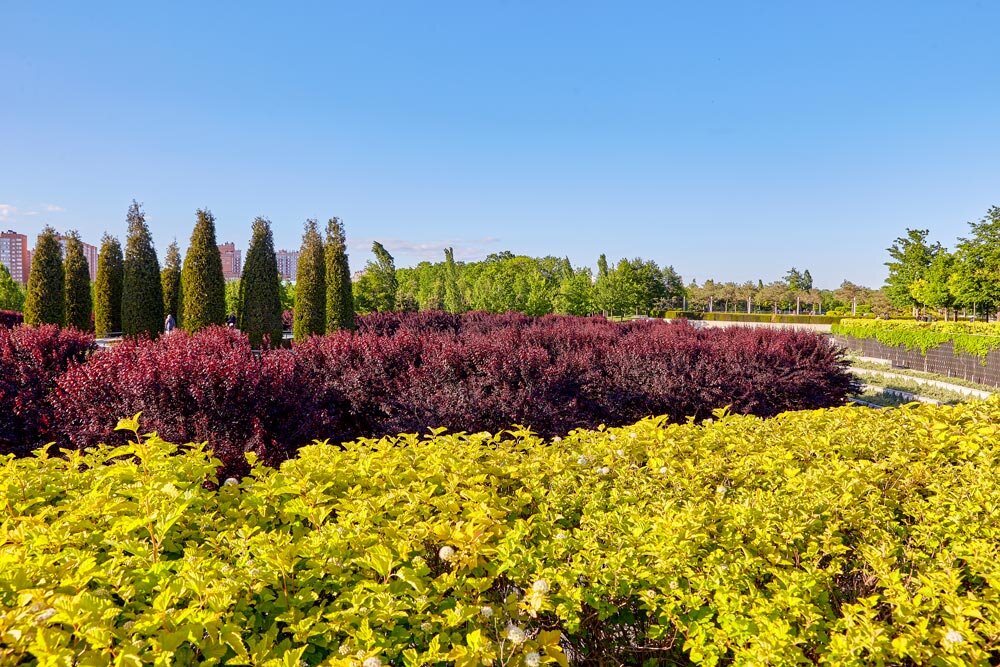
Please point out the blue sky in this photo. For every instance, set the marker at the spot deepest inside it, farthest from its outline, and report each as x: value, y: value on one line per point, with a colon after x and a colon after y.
x: 729, y: 139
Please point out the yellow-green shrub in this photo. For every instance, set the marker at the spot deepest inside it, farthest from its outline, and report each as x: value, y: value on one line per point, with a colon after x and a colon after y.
x: 844, y: 536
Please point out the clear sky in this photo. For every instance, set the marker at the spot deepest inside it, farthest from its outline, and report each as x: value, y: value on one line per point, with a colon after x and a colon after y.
x: 729, y: 139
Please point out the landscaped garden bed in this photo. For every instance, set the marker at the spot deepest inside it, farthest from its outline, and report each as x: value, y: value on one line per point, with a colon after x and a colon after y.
x: 844, y: 536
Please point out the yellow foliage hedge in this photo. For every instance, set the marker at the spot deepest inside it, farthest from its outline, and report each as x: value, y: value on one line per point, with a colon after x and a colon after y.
x: 844, y: 536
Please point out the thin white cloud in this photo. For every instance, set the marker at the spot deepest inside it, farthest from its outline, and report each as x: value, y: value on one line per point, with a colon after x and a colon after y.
x: 466, y: 250
x: 7, y: 212
x: 52, y: 208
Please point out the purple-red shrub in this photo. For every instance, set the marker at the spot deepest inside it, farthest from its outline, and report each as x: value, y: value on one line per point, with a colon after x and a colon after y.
x: 411, y: 372
x: 10, y: 318
x: 408, y: 372
x: 190, y: 388
x: 31, y: 358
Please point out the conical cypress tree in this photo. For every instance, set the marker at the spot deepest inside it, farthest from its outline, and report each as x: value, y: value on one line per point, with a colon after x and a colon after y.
x: 142, y: 293
x: 339, y: 295
x: 260, y: 288
x: 310, y: 285
x: 203, y: 286
x: 108, y: 287
x: 453, y: 301
x: 46, y: 302
x: 77, y: 284
x: 170, y: 280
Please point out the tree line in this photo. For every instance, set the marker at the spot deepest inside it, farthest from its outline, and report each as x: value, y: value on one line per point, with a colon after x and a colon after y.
x: 542, y: 285
x: 133, y: 295
x: 925, y: 275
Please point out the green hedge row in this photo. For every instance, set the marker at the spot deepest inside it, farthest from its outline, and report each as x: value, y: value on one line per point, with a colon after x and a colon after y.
x: 974, y: 338
x: 752, y: 317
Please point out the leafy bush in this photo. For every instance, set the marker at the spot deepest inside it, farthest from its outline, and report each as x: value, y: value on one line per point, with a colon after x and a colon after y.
x: 10, y: 318
x: 190, y: 388
x: 771, y: 318
x: 841, y: 537
x: 31, y: 358
x: 406, y: 372
x: 974, y: 338
x: 474, y: 372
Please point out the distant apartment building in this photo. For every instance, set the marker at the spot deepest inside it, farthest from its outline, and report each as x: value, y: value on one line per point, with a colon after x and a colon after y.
x: 288, y: 263
x: 232, y: 261
x: 89, y: 251
x: 15, y: 256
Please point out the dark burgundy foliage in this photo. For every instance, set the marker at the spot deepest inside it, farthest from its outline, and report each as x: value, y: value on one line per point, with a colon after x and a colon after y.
x: 10, y: 318
x: 409, y: 372
x: 31, y: 359
x: 189, y: 388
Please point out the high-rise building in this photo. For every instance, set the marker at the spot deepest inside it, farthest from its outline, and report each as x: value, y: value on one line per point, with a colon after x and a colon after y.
x: 288, y: 263
x: 232, y: 261
x: 89, y: 251
x: 15, y: 256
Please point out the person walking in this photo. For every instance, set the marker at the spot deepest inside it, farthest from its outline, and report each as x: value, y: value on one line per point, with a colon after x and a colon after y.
x: 231, y: 321
x: 170, y: 323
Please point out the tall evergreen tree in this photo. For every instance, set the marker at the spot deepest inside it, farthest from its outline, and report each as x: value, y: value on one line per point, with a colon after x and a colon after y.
x: 203, y: 287
x: 383, y: 273
x: 339, y: 294
x: 108, y: 287
x: 170, y: 279
x: 602, y: 266
x: 260, y: 288
x: 46, y: 302
x: 142, y: 293
x: 77, y: 284
x: 11, y: 294
x: 453, y: 301
x: 310, y: 285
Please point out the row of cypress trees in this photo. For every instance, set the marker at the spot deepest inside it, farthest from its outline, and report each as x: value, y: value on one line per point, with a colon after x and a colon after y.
x: 58, y: 287
x: 324, y: 301
x: 133, y: 295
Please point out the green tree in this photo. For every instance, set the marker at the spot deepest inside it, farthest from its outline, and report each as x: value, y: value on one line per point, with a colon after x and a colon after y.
x: 602, y: 266
x: 11, y: 294
x: 45, y: 303
x: 108, y: 287
x: 79, y: 307
x: 260, y: 288
x: 203, y: 287
x: 911, y: 256
x: 233, y: 297
x: 933, y: 288
x: 170, y: 281
x: 976, y: 278
x: 310, y: 285
x: 339, y: 294
x: 383, y: 276
x: 453, y: 301
x: 142, y: 292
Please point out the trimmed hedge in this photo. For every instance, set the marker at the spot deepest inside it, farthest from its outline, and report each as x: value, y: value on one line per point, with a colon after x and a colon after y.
x: 10, y: 318
x: 752, y: 317
x: 831, y: 537
x: 975, y: 338
x: 31, y: 359
x: 472, y: 372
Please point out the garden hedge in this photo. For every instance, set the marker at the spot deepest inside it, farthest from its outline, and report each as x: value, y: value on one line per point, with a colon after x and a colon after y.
x: 840, y: 537
x: 411, y: 372
x: 974, y: 338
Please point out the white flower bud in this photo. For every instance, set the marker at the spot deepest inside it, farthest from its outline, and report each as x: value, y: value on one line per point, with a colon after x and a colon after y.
x: 532, y: 659
x: 540, y: 586
x: 515, y: 634
x: 446, y: 553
